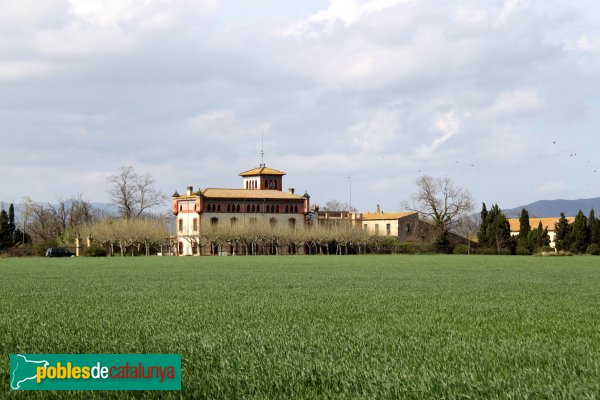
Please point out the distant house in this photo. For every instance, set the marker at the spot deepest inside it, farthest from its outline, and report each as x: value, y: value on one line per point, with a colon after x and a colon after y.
x: 547, y: 223
x: 403, y: 225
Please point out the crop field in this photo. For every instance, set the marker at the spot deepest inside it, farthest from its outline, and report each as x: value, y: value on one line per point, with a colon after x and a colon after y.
x: 318, y: 326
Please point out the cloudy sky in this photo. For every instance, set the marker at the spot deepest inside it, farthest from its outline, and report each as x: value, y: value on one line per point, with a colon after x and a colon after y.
x: 503, y: 97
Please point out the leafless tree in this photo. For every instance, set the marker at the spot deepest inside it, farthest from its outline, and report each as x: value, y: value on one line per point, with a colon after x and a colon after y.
x: 467, y: 226
x: 335, y: 205
x: 441, y: 201
x: 134, y: 194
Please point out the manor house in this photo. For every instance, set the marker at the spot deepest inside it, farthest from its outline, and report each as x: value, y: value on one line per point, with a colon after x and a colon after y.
x: 261, y: 199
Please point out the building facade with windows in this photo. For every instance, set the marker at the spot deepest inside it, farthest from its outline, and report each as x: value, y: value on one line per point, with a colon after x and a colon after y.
x: 260, y: 200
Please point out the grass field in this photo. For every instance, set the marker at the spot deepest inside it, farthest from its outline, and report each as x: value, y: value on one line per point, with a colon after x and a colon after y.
x: 310, y: 327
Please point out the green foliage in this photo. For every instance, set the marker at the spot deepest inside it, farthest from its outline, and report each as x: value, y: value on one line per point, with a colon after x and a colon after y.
x: 579, y: 234
x: 407, y: 327
x: 461, y: 248
x: 563, y: 233
x: 39, y: 248
x: 524, y: 226
x: 593, y: 249
x: 95, y: 250
x: 482, y: 233
x: 594, y: 228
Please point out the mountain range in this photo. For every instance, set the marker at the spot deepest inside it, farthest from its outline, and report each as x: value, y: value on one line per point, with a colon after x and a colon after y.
x: 553, y: 208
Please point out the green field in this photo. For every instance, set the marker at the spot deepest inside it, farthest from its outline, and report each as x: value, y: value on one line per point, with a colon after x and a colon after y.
x: 319, y: 327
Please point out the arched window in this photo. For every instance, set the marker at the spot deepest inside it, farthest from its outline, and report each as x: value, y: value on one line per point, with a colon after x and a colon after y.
x: 253, y: 208
x: 277, y: 208
x: 287, y: 209
x: 238, y: 208
x: 255, y: 184
x: 248, y: 208
x: 228, y: 207
x: 268, y: 208
x: 180, y: 248
x: 296, y: 208
x: 180, y: 225
x: 219, y: 208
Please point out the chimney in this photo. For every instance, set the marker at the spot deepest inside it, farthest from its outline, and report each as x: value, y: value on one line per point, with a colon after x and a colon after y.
x: 378, y: 209
x: 190, y: 189
x: 291, y: 190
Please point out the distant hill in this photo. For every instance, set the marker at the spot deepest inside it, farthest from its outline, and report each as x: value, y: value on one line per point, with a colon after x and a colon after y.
x: 553, y: 208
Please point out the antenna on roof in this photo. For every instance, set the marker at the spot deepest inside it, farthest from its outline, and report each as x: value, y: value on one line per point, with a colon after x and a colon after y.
x: 262, y: 149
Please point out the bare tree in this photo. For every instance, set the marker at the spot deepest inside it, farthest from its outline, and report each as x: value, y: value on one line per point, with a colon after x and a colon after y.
x: 441, y: 201
x: 134, y: 194
x: 467, y: 226
x: 335, y: 205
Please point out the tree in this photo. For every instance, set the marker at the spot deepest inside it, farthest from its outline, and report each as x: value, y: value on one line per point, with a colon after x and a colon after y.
x: 134, y: 194
x: 335, y: 205
x: 563, y: 233
x: 441, y: 201
x: 594, y: 228
x: 467, y: 227
x: 579, y: 233
x: 524, y: 226
x: 5, y: 236
x: 481, y: 235
x: 498, y: 230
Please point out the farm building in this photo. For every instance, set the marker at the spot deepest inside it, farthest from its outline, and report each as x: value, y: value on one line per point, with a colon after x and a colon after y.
x: 547, y: 223
x: 261, y: 199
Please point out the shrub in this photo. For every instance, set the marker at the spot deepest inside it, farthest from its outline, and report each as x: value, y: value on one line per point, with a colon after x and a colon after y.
x: 95, y: 250
x: 522, y: 251
x: 40, y: 248
x: 593, y: 249
x: 461, y: 249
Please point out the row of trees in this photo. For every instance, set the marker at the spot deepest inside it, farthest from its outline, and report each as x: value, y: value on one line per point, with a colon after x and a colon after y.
x: 580, y: 236
x: 494, y: 233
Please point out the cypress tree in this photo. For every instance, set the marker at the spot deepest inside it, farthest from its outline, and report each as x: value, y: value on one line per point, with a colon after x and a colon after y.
x: 579, y: 233
x: 594, y: 228
x: 524, y: 237
x: 563, y: 233
x: 12, y: 227
x: 5, y: 236
x: 481, y: 235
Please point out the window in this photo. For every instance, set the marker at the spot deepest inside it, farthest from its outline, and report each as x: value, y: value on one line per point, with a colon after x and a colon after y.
x: 180, y: 207
x: 253, y: 208
x: 248, y: 208
x: 219, y: 208
x: 273, y: 222
x: 238, y: 208
x: 268, y: 208
x: 180, y: 248
x: 194, y: 248
x: 295, y: 208
x: 365, y: 227
x: 377, y: 229
x: 277, y: 208
x: 287, y: 210
x: 228, y: 208
x: 195, y: 224
x: 180, y: 225
x: 388, y: 229
x: 408, y: 228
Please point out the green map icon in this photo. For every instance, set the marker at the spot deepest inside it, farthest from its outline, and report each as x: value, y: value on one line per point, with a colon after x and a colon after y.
x: 23, y: 370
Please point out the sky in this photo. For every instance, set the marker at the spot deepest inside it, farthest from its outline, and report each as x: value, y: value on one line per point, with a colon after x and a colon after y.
x: 353, y: 97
